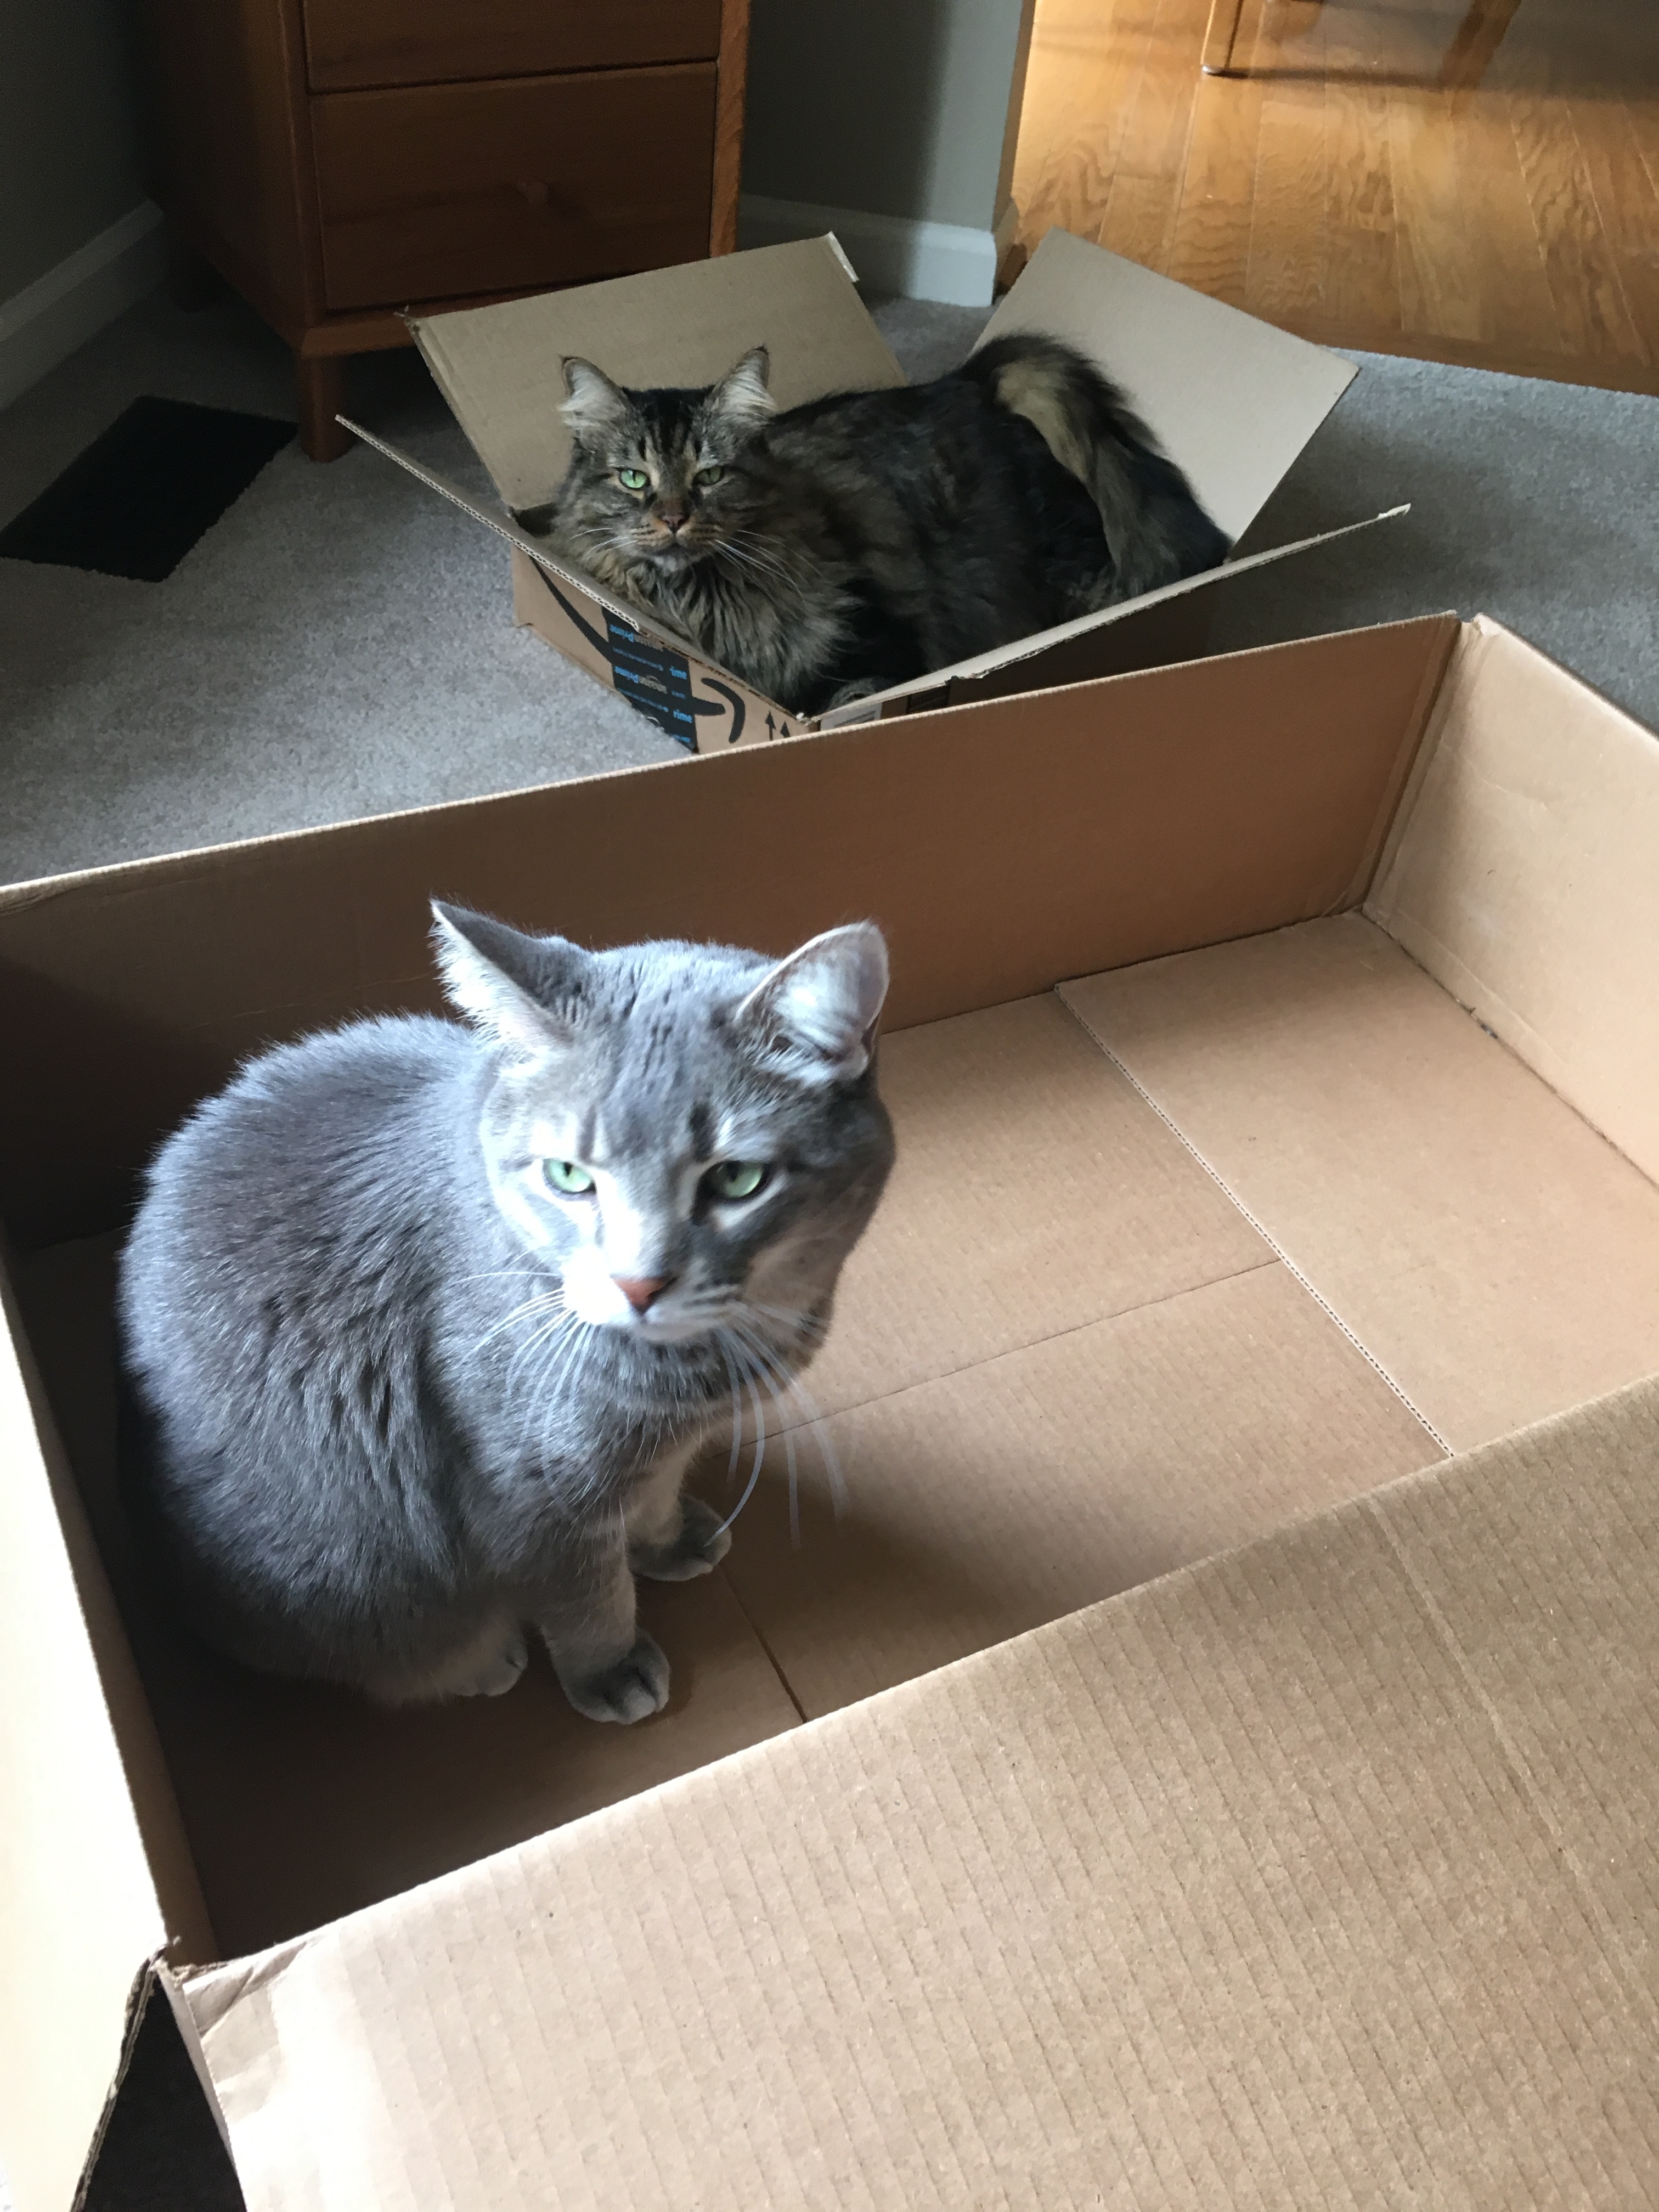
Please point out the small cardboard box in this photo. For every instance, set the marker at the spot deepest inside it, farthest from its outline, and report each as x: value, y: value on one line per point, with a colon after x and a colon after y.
x: 1214, y: 1760
x: 1231, y: 398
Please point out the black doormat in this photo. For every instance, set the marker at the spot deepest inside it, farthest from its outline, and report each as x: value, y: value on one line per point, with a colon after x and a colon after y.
x: 139, y: 497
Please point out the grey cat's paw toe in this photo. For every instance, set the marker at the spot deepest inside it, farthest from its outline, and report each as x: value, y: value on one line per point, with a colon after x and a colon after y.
x: 630, y: 1689
x: 495, y: 1675
x: 700, y: 1546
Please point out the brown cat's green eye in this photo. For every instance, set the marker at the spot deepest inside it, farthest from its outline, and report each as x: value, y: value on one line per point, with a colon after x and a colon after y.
x: 568, y: 1177
x: 738, y: 1179
x: 632, y: 479
x: 711, y: 475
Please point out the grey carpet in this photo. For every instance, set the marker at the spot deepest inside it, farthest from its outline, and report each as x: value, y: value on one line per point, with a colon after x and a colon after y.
x: 340, y: 643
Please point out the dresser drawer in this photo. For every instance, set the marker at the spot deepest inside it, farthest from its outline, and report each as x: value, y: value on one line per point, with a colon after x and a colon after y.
x: 439, y: 192
x: 359, y: 43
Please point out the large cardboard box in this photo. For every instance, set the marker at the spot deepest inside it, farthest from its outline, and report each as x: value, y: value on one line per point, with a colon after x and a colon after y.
x: 1231, y: 398
x: 1213, y: 1759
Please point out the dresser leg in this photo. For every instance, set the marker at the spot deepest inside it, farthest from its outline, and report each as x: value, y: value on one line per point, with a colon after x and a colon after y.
x: 320, y: 379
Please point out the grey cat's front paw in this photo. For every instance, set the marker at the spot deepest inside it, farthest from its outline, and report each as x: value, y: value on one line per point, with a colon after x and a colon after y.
x: 630, y: 1689
x: 700, y: 1546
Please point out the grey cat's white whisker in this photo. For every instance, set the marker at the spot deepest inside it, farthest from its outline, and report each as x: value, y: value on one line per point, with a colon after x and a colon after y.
x: 785, y: 1386
x: 416, y: 1379
x: 725, y: 1527
x: 827, y: 1453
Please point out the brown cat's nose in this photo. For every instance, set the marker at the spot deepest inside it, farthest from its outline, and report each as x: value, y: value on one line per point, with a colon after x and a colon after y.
x: 640, y: 1290
x: 673, y: 524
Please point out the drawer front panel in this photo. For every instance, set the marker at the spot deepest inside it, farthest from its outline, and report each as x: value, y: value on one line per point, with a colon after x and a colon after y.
x: 453, y: 190
x: 352, y: 43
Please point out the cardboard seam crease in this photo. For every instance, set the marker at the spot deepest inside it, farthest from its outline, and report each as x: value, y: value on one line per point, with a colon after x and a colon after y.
x: 984, y: 1363
x: 1259, y: 1226
x: 1399, y: 796
x: 1640, y: 1999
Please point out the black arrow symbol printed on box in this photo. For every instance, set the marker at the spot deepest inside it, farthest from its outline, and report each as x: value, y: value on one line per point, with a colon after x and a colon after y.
x: 655, y: 681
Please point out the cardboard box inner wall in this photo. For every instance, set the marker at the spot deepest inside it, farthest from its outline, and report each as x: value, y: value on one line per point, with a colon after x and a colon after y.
x: 1216, y: 1206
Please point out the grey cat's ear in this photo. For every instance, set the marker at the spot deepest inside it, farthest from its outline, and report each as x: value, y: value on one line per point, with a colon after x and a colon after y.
x: 741, y: 397
x: 595, y: 402
x: 524, y: 992
x: 818, y: 1009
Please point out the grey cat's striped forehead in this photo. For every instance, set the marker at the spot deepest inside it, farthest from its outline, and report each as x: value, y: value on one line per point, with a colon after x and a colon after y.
x: 663, y: 1027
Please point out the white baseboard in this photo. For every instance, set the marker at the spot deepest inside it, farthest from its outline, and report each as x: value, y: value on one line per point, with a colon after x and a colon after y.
x: 891, y: 253
x: 45, y: 323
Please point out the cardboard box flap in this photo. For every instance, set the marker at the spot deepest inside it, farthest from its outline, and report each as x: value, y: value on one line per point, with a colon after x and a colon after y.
x: 1324, y: 1874
x: 498, y: 367
x: 1231, y: 397
x: 1043, y: 640
x: 94, y: 1872
x: 1523, y: 874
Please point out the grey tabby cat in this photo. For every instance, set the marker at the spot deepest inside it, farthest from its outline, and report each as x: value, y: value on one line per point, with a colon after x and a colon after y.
x: 426, y: 1321
x: 873, y: 535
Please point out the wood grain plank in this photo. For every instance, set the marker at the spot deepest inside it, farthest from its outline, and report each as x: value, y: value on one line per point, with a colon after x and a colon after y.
x: 1579, y: 264
x: 1627, y: 205
x: 1212, y: 246
x: 1081, y: 89
x: 1440, y: 291
x: 1146, y: 196
x: 1290, y: 213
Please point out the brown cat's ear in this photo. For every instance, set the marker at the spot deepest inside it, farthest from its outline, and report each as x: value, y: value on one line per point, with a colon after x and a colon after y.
x: 741, y: 398
x: 817, y: 1011
x: 524, y: 992
x: 595, y: 402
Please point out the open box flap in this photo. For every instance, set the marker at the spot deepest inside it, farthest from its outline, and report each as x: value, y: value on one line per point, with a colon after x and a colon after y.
x: 1040, y: 642
x: 498, y: 367
x: 1326, y: 1870
x: 1231, y: 397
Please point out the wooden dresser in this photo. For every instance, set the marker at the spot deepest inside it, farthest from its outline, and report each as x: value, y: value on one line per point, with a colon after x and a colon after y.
x: 339, y: 160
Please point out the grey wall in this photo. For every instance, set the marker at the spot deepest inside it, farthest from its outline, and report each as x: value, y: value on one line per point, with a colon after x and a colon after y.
x: 890, y: 107
x: 69, y: 133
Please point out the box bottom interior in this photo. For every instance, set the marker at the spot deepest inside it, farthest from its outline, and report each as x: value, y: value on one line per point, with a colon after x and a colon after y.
x: 1171, y: 1256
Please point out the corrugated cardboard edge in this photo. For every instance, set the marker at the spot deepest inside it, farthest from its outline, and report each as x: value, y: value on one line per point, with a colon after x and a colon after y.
x: 154, y: 1980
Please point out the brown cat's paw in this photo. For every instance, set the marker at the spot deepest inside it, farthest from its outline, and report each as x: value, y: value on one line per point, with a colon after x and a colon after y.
x: 700, y: 1546
x: 631, y: 1688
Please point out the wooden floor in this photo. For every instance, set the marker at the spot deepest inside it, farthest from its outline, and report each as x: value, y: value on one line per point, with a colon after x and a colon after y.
x: 1465, y: 180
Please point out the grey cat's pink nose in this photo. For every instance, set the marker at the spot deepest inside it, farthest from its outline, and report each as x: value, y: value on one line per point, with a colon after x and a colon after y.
x: 640, y: 1290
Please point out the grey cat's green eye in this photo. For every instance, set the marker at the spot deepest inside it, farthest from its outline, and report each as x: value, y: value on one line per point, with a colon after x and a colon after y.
x: 632, y: 479
x: 734, y: 1179
x: 565, y: 1176
x: 711, y: 475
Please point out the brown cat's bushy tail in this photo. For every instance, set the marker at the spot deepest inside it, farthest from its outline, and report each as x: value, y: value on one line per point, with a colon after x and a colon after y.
x: 1156, y: 530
